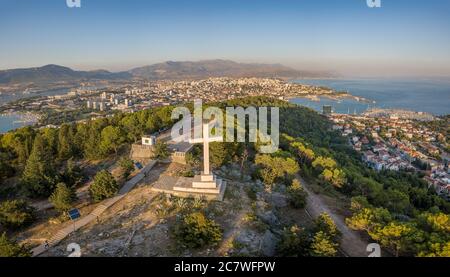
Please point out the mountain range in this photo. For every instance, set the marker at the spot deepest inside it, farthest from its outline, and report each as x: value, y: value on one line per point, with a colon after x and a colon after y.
x: 54, y: 73
x: 217, y: 68
x: 167, y: 70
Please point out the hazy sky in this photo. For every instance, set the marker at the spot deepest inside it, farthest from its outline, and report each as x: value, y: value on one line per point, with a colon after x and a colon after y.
x: 403, y: 37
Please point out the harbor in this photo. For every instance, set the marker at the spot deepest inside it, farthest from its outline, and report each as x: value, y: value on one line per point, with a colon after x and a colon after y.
x: 13, y: 120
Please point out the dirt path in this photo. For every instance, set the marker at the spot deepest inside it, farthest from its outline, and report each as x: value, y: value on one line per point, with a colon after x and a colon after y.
x: 230, y: 235
x: 352, y: 244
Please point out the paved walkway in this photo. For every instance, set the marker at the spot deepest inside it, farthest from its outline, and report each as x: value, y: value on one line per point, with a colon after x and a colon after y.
x: 63, y: 233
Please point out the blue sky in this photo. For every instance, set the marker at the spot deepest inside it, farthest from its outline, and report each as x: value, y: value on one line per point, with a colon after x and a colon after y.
x: 403, y: 37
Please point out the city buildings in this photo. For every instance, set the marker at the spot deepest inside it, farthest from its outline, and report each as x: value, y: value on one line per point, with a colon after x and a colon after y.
x: 398, y: 143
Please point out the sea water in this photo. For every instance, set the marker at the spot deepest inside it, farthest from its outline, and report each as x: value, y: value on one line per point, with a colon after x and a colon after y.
x: 432, y: 96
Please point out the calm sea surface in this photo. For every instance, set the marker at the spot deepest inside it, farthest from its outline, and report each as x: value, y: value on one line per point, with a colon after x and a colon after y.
x: 432, y: 96
x: 12, y: 121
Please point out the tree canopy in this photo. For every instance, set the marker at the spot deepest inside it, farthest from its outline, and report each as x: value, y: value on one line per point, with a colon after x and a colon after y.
x: 63, y: 197
x: 10, y: 248
x: 104, y: 186
x: 15, y: 214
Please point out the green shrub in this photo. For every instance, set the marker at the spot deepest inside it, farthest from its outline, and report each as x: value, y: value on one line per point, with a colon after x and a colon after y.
x: 16, y: 214
x: 127, y: 167
x: 104, y: 186
x: 297, y: 195
x: 324, y: 223
x: 251, y: 193
x: 323, y: 245
x: 198, y: 203
x: 195, y: 231
x: 188, y: 174
x: 294, y: 242
x: 10, y: 248
x: 63, y: 197
x: 161, y: 152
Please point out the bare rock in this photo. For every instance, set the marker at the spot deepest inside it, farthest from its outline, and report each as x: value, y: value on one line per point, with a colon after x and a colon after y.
x: 269, y: 244
x: 278, y: 200
x: 269, y: 218
x: 249, y: 240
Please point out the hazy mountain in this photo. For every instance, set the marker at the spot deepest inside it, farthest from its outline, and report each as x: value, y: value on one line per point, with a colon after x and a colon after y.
x: 168, y: 70
x: 218, y: 68
x: 55, y: 73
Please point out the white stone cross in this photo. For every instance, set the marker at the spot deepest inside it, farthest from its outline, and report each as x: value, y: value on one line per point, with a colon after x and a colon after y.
x: 206, y: 139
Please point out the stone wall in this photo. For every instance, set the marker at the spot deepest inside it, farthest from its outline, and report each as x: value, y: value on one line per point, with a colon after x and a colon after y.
x: 178, y: 157
x: 139, y: 151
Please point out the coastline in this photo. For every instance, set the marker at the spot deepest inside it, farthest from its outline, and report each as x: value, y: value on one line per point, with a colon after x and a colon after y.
x: 399, y: 94
x: 334, y: 96
x: 13, y: 120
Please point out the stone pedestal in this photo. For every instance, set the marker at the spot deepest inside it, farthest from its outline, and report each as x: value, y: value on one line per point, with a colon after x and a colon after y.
x: 203, y: 185
x: 205, y: 182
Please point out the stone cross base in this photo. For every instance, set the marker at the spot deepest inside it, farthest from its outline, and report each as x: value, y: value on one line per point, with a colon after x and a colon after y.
x: 184, y: 187
x: 206, y: 182
x: 202, y: 184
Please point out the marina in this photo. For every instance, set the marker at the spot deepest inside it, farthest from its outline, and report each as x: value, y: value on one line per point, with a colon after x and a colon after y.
x: 12, y: 121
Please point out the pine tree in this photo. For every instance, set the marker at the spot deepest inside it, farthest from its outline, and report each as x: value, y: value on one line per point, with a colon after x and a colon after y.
x: 127, y: 166
x: 297, y: 195
x: 51, y: 136
x: 294, y: 242
x: 111, y: 140
x: 6, y: 170
x: 323, y: 246
x: 161, y: 151
x: 91, y: 146
x: 132, y: 127
x: 65, y: 143
x: 15, y: 214
x: 153, y: 124
x: 10, y: 248
x: 324, y: 223
x: 39, y: 176
x: 195, y: 230
x: 219, y: 154
x: 63, y: 197
x: 72, y: 175
x: 104, y: 186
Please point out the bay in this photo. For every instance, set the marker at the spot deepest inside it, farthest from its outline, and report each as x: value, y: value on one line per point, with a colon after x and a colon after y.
x: 13, y: 121
x: 431, y: 96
